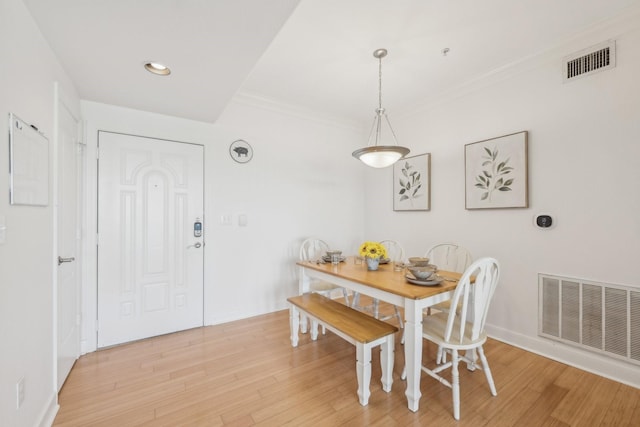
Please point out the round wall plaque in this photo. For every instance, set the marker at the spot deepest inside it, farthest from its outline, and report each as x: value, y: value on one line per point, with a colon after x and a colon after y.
x: 240, y: 151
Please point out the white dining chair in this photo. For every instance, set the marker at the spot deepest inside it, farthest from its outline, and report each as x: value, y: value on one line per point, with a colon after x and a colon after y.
x: 313, y: 249
x: 395, y: 252
x: 448, y: 257
x: 463, y: 330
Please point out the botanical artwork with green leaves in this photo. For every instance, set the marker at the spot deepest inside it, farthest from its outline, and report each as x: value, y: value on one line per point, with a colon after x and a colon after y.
x: 494, y: 176
x: 411, y: 183
x: 496, y: 172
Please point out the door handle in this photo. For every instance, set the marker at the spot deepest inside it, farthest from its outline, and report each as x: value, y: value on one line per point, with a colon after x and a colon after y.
x: 196, y: 245
x: 61, y: 260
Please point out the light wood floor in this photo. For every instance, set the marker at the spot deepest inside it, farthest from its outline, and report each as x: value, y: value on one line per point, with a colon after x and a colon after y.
x: 246, y: 373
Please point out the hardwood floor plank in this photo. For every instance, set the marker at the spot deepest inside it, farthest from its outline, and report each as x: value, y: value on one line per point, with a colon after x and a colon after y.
x: 538, y: 412
x: 246, y: 373
x: 621, y: 410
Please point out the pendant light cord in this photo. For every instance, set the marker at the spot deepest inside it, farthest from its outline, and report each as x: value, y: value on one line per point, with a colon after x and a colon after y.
x: 380, y: 82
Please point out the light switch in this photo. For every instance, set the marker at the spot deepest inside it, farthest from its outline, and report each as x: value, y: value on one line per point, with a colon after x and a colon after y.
x: 226, y: 219
x: 242, y: 220
x: 3, y: 230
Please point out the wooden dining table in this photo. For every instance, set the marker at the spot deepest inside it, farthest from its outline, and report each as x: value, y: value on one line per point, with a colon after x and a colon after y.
x: 392, y: 287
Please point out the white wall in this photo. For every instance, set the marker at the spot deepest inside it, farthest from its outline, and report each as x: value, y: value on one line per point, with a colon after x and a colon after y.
x: 301, y: 181
x: 28, y: 70
x: 584, y: 169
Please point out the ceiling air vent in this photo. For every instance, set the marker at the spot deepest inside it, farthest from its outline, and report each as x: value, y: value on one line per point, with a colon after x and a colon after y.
x: 591, y: 60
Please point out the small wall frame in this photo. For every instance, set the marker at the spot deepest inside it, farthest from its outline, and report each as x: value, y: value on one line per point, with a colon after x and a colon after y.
x: 412, y: 183
x: 496, y: 172
x: 28, y: 164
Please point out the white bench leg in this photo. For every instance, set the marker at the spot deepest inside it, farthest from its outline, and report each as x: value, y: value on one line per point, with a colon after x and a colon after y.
x: 303, y: 323
x: 363, y: 371
x: 294, y: 324
x: 314, y: 330
x: 386, y: 362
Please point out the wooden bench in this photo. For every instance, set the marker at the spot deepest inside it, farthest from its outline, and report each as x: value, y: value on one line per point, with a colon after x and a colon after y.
x: 361, y: 330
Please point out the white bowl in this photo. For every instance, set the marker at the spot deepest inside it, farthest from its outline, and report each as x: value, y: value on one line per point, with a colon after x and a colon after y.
x: 423, y: 272
x: 419, y: 261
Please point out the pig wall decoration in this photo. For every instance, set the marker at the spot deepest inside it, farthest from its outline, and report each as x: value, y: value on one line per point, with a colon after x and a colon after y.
x: 241, y: 151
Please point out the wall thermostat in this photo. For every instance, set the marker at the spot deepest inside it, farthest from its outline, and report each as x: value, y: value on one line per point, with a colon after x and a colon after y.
x: 544, y: 221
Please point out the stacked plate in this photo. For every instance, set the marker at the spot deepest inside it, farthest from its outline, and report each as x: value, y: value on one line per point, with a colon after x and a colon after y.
x: 432, y: 281
x: 327, y: 258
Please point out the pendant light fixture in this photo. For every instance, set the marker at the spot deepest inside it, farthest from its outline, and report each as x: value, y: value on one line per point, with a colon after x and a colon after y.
x: 374, y: 155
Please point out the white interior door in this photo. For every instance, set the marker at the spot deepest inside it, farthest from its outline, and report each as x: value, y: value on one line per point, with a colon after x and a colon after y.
x: 68, y: 242
x: 150, y: 261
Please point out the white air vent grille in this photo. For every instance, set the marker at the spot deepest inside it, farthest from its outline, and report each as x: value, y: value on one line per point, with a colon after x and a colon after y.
x: 599, y: 317
x: 591, y: 60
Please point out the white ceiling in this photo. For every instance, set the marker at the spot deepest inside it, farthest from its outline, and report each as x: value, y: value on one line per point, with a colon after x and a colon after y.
x: 317, y: 56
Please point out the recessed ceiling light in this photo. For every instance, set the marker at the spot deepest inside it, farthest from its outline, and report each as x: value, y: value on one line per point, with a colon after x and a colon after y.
x: 159, y: 69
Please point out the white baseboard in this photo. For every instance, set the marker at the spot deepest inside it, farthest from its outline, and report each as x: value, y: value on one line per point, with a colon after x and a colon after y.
x: 50, y: 411
x: 604, y: 366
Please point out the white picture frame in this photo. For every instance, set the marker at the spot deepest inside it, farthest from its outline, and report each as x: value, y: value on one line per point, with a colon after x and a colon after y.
x: 496, y: 172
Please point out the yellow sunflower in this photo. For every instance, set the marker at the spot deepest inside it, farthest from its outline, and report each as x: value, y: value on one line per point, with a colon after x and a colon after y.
x: 372, y: 250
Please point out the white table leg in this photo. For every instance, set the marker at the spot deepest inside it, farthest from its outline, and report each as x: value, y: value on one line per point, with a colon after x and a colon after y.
x: 304, y: 284
x: 413, y: 352
x: 294, y: 317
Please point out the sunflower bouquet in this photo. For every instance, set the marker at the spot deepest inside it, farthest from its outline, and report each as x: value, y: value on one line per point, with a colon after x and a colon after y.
x: 372, y: 250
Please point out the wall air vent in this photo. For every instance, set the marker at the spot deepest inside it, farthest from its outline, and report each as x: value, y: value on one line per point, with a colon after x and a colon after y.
x: 598, y: 317
x: 588, y: 61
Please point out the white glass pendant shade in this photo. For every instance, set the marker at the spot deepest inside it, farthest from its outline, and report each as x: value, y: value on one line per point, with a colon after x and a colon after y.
x: 380, y: 156
x: 374, y: 155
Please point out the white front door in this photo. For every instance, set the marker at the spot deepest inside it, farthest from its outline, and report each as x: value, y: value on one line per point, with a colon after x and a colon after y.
x: 150, y: 260
x: 68, y: 242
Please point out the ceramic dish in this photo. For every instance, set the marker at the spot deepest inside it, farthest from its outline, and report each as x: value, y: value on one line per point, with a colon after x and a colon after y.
x: 433, y: 282
x: 419, y: 261
x: 328, y: 258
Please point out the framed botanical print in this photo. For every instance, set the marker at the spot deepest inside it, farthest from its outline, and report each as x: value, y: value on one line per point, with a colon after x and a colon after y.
x: 496, y: 172
x: 412, y: 183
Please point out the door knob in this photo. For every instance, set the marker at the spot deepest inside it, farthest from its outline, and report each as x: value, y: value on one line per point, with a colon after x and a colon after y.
x: 197, y: 244
x: 61, y: 260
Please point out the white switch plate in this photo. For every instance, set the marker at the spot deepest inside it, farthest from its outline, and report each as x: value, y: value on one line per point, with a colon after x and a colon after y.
x: 3, y: 230
x: 242, y: 220
x: 19, y: 393
x: 226, y: 219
